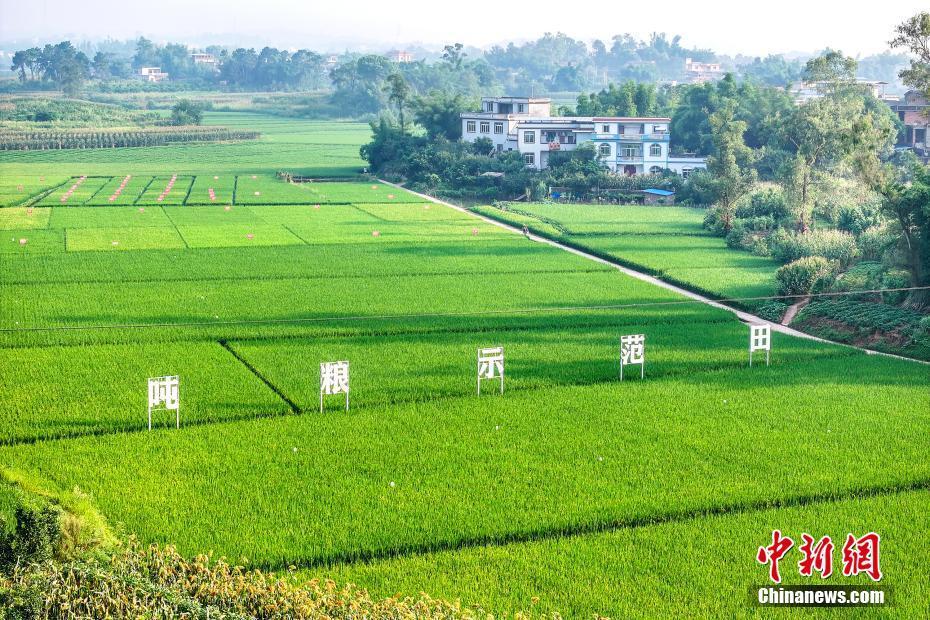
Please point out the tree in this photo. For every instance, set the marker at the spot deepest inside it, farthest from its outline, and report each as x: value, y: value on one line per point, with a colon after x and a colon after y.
x: 398, y: 94
x: 145, y: 54
x: 906, y: 200
x: 731, y: 164
x: 186, y: 112
x: 454, y: 55
x: 845, y: 125
x: 440, y: 114
x: 101, y: 65
x: 359, y: 84
x: 914, y: 35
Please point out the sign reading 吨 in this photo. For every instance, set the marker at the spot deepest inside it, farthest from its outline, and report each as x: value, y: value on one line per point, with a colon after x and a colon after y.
x: 760, y: 339
x: 633, y: 351
x: 334, y: 379
x: 164, y: 395
x: 491, y: 365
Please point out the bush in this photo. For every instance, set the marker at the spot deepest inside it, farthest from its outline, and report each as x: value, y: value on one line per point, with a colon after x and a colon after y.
x: 768, y: 201
x: 34, y: 536
x: 804, y: 275
x: 874, y: 242
x: 788, y: 246
x: 896, y: 278
x: 153, y: 582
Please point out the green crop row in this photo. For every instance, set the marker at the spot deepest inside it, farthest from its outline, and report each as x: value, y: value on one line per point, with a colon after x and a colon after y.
x: 656, y: 571
x: 442, y: 474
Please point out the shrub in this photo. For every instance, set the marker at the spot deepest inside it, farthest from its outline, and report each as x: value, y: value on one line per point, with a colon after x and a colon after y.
x: 896, y: 278
x: 34, y: 536
x: 768, y: 201
x: 155, y: 582
x: 803, y: 275
x: 874, y: 242
x: 788, y: 246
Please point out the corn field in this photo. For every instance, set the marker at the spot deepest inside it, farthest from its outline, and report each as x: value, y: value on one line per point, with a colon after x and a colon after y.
x: 41, y: 139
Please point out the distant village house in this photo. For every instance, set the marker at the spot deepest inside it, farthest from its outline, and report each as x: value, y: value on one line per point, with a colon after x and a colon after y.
x: 400, y: 56
x: 152, y: 74
x: 626, y: 145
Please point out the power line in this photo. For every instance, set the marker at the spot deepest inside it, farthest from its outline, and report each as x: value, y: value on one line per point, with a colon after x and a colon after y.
x: 429, y: 315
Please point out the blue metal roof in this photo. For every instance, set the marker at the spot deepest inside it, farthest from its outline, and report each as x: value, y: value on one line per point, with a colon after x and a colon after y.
x: 658, y: 192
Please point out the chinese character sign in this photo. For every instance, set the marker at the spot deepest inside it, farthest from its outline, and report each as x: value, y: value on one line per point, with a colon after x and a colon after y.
x: 817, y: 557
x: 760, y: 339
x: 773, y: 553
x: 859, y: 555
x: 491, y: 365
x: 164, y: 395
x: 633, y: 351
x: 334, y: 379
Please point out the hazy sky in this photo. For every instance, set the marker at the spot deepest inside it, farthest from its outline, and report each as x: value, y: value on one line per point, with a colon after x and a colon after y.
x: 726, y: 26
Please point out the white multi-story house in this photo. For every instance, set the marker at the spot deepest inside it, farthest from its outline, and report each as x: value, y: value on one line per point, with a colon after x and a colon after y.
x: 626, y: 145
x: 152, y: 74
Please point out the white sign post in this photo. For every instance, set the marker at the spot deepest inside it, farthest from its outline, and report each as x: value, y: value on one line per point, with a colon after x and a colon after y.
x: 760, y: 339
x: 334, y: 379
x: 491, y: 365
x: 633, y: 351
x: 164, y: 395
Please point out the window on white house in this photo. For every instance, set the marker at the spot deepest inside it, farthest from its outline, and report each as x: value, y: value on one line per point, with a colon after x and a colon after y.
x: 500, y: 148
x: 529, y: 137
x: 621, y: 129
x: 521, y: 108
x: 485, y: 127
x: 529, y: 159
x: 605, y: 128
x: 629, y: 152
x: 655, y: 170
x: 470, y: 127
x: 498, y: 127
x: 655, y: 150
x: 686, y: 172
x: 489, y: 106
x: 604, y: 149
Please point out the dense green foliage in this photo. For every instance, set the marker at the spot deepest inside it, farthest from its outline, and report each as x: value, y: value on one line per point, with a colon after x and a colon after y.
x: 244, y: 303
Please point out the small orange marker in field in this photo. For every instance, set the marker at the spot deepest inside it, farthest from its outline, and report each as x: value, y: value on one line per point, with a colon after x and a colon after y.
x: 374, y: 187
x: 376, y: 233
x: 227, y: 208
x: 250, y: 236
x: 474, y: 231
x: 23, y: 241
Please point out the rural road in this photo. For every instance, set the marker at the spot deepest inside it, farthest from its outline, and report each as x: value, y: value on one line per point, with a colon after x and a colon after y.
x: 745, y: 317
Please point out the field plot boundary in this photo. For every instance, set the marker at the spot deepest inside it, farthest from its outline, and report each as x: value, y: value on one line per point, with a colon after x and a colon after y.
x: 589, y: 529
x: 271, y: 386
x: 30, y: 201
x: 742, y: 315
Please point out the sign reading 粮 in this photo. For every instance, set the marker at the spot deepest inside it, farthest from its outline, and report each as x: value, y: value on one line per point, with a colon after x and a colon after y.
x: 334, y: 379
x: 760, y: 339
x: 164, y: 395
x: 491, y: 365
x: 633, y: 351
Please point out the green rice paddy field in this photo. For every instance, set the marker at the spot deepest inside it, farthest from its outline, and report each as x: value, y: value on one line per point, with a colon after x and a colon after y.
x: 571, y: 492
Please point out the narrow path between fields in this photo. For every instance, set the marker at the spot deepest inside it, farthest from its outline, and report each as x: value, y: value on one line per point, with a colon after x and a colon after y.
x: 793, y: 310
x: 743, y: 316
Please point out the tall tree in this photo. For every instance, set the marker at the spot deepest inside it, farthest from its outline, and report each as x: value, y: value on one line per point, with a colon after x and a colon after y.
x: 914, y: 35
x: 731, y: 164
x: 398, y: 94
